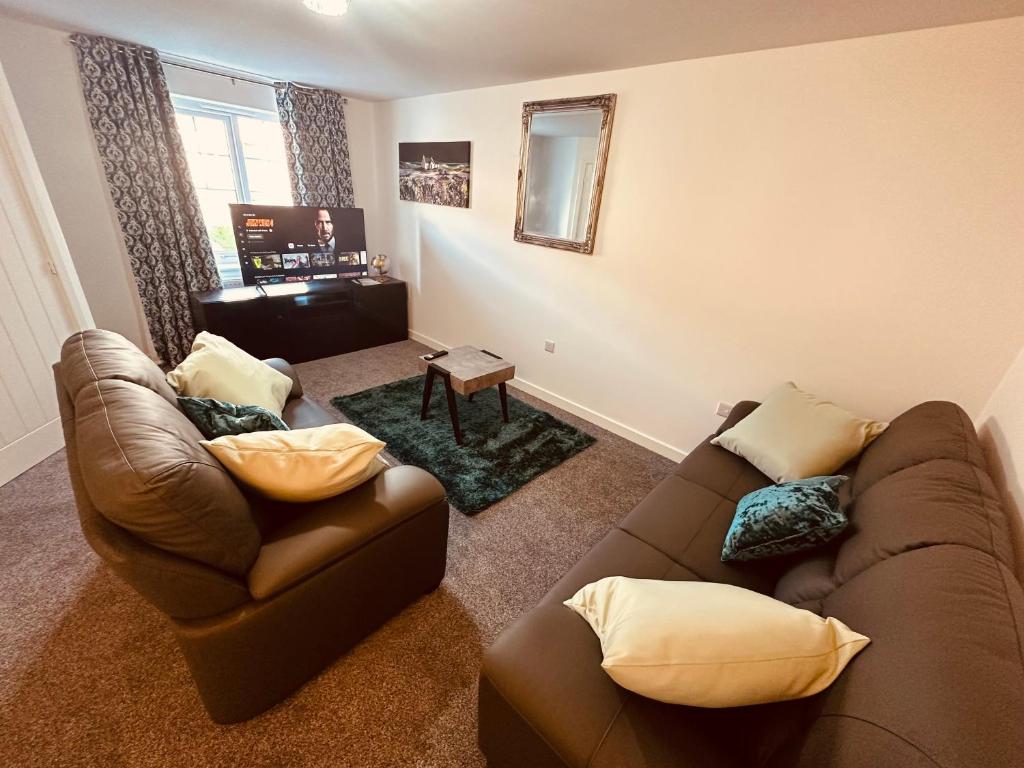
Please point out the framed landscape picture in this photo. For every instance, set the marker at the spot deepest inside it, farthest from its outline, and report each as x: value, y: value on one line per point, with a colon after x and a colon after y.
x: 434, y: 172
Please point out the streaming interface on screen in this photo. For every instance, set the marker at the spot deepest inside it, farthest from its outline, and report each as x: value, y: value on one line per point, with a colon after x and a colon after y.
x: 293, y: 244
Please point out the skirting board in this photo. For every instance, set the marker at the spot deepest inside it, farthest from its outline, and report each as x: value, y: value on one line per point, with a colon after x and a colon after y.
x: 605, y: 422
x: 28, y: 450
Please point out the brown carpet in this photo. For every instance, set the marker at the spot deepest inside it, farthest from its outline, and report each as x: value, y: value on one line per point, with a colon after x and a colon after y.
x: 90, y: 675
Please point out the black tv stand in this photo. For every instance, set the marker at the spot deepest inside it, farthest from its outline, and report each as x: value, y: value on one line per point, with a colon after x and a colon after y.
x: 329, y: 317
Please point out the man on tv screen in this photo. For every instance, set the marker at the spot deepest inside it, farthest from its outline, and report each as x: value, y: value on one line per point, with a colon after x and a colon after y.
x: 324, y: 231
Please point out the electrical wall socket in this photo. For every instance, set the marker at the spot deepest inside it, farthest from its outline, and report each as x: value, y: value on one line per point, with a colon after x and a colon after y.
x: 723, y: 409
x: 549, y: 346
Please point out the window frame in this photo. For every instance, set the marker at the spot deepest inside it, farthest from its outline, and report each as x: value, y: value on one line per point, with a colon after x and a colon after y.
x: 228, y: 114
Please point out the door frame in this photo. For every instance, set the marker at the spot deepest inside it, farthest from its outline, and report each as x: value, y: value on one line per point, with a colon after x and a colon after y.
x: 18, y: 160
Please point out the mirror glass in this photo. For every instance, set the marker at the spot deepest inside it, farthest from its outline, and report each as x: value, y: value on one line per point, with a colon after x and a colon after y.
x: 560, y: 169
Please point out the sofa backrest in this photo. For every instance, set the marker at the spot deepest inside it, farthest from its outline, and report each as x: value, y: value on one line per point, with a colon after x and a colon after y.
x: 153, y: 503
x: 925, y: 569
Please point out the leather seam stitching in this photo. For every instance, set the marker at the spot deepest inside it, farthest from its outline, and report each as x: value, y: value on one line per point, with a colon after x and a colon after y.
x: 664, y: 554
x: 700, y: 528
x: 707, y: 519
x: 881, y: 727
x: 607, y: 732
x: 183, y: 463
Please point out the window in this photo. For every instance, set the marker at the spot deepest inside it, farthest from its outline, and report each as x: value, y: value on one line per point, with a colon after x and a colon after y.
x: 235, y: 155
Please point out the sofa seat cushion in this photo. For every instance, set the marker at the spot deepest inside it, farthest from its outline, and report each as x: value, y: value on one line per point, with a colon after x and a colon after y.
x: 315, y: 535
x: 721, y: 471
x: 145, y: 471
x: 688, y: 522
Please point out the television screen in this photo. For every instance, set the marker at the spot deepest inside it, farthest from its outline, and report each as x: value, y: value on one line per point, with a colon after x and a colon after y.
x: 292, y: 244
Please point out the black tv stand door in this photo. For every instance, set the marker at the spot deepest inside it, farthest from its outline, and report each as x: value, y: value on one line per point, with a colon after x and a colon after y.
x: 331, y: 318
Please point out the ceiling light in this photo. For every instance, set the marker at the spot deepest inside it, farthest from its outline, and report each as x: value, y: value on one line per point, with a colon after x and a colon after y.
x: 327, y: 7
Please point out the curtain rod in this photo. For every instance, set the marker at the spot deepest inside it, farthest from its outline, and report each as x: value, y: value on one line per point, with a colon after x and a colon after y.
x: 184, y: 62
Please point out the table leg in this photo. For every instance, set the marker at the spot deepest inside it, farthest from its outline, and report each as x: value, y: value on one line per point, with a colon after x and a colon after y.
x: 428, y: 388
x: 453, y: 409
x: 470, y: 396
x: 503, y: 396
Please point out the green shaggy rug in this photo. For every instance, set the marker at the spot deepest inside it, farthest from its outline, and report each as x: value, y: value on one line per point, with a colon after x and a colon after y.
x: 495, y: 458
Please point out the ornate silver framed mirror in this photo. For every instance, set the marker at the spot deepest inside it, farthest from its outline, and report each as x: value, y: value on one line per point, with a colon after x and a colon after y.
x: 562, y: 161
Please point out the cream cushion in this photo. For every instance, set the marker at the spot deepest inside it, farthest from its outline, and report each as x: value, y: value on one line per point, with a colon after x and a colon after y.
x: 217, y: 368
x: 793, y: 435
x: 712, y: 645
x: 300, y: 464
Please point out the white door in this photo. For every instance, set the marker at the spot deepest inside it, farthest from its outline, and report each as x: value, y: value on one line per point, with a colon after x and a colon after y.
x: 41, y: 301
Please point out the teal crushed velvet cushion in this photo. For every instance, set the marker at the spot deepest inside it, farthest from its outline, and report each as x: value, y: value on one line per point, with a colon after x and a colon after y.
x: 785, y: 518
x: 216, y: 419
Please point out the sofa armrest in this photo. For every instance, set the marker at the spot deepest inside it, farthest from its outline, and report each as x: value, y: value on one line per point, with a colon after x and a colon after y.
x: 544, y: 698
x: 740, y: 411
x: 318, y: 534
x: 283, y: 366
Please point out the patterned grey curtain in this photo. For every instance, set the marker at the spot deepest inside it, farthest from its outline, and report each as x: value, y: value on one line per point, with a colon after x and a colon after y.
x: 144, y: 161
x: 317, y: 145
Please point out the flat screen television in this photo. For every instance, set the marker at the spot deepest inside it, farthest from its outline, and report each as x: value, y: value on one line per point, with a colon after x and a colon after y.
x: 294, y: 244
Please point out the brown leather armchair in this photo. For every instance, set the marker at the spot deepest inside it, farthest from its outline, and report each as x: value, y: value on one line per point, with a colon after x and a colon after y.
x: 317, y: 577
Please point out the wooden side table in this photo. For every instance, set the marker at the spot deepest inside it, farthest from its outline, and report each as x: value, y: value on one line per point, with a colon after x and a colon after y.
x: 466, y: 370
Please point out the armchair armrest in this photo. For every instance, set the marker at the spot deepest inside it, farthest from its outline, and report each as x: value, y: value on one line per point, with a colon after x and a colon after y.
x: 283, y: 366
x: 318, y: 534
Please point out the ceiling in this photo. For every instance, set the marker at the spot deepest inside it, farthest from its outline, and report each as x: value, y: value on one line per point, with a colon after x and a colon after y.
x: 384, y: 49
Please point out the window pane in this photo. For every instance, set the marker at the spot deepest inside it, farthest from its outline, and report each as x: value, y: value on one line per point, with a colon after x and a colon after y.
x: 208, y: 142
x: 265, y: 163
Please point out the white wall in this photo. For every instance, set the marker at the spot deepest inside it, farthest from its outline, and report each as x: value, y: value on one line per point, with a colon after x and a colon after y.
x: 43, y: 75
x: 847, y: 215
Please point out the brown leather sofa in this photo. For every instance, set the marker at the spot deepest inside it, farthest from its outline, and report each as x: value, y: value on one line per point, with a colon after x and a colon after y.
x: 925, y: 569
x: 273, y: 592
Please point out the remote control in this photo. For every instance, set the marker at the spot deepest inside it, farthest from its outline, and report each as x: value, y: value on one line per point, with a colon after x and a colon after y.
x: 436, y: 355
